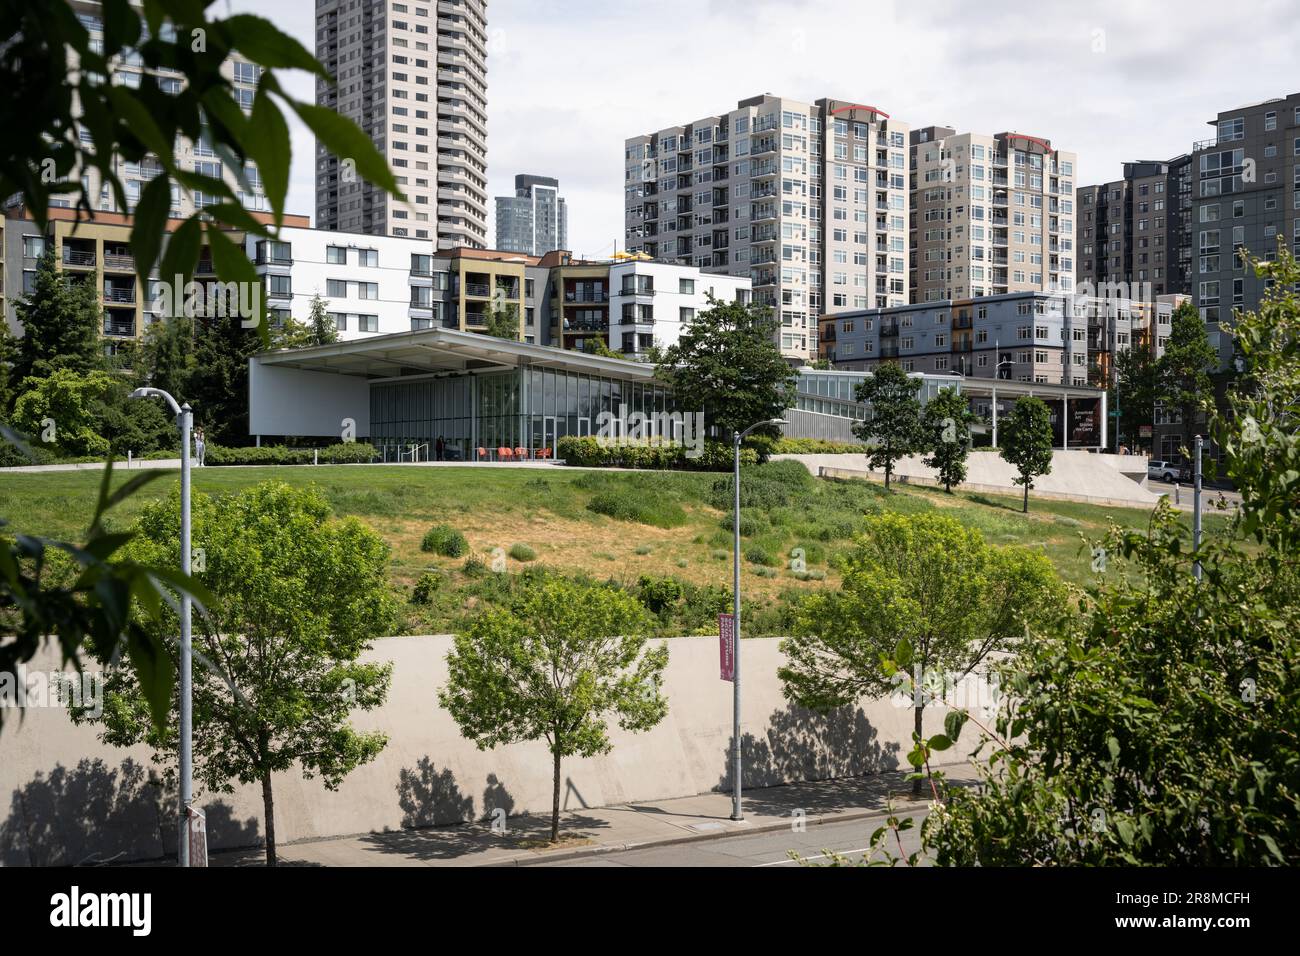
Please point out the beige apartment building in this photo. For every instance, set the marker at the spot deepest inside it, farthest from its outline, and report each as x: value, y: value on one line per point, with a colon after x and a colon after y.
x: 808, y: 200
x: 413, y: 76
x: 990, y: 215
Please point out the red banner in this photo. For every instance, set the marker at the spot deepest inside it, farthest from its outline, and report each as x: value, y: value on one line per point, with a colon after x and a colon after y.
x: 727, y: 646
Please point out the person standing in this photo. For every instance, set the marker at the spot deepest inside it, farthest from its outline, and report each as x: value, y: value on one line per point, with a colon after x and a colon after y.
x: 439, y: 448
x: 200, y: 446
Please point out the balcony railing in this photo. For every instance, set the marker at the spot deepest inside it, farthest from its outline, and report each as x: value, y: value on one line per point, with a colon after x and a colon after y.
x: 586, y: 297
x: 119, y: 327
x: 637, y: 290
x: 75, y: 257
x: 121, y: 296
x: 480, y: 289
x: 119, y: 262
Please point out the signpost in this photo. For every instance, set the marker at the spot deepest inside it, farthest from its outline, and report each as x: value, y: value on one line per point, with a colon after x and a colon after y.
x: 727, y: 646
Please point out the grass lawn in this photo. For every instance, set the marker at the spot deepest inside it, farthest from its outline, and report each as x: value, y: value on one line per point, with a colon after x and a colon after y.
x: 655, y: 524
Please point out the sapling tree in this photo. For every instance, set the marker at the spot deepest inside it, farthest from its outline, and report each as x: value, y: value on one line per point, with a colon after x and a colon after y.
x: 947, y: 421
x: 892, y: 429
x: 925, y: 593
x: 296, y: 596
x: 1026, y: 442
x: 557, y: 666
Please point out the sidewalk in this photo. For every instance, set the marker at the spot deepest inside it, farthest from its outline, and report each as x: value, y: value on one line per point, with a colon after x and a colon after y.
x: 606, y: 829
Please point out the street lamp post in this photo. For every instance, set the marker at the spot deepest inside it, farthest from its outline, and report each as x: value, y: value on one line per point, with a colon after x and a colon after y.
x: 184, y: 421
x: 737, y: 438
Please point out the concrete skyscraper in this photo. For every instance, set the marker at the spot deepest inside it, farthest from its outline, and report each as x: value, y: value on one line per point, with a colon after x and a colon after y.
x: 413, y: 76
x: 535, y: 220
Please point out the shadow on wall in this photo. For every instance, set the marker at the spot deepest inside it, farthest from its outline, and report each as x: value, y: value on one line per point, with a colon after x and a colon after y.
x: 95, y: 814
x: 429, y: 797
x: 802, y: 744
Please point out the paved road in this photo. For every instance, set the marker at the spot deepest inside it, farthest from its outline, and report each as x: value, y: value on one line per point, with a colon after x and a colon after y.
x: 850, y: 837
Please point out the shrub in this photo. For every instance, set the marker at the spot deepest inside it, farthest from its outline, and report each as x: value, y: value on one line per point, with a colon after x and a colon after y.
x: 644, y: 549
x: 816, y: 446
x: 764, y: 572
x: 718, y: 554
x: 430, y: 581
x: 522, y: 552
x: 342, y: 453
x: 590, y: 452
x: 445, y: 540
x: 658, y: 594
x: 474, y: 567
x: 749, y: 524
x: 756, y: 554
x: 630, y: 504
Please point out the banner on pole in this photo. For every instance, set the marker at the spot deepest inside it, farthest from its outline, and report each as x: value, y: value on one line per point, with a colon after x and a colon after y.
x: 727, y: 646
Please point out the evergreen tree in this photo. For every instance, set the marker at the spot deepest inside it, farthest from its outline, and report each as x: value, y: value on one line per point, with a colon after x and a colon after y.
x: 503, y: 323
x: 1184, y: 370
x: 218, y: 387
x: 323, y: 331
x: 62, y: 324
x: 167, y: 355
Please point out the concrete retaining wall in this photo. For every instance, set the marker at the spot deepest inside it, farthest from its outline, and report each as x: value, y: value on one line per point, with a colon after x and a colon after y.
x: 67, y: 798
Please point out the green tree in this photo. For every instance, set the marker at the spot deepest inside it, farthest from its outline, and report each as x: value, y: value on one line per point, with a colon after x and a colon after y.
x: 70, y: 400
x: 1171, y: 732
x: 167, y: 356
x: 289, y: 333
x: 323, y: 330
x: 1026, y: 439
x: 296, y: 597
x: 726, y: 364
x: 1135, y: 393
x: 8, y: 379
x: 556, y: 666
x: 503, y: 322
x: 62, y: 325
x: 60, y: 117
x: 1183, y: 372
x: 892, y: 429
x: 925, y: 593
x: 218, y: 385
x: 947, y: 420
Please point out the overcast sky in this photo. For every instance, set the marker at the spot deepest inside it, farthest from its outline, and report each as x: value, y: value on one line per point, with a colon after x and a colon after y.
x: 1112, y: 80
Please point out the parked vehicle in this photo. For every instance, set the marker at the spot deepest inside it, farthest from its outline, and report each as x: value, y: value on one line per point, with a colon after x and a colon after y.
x: 1167, y: 471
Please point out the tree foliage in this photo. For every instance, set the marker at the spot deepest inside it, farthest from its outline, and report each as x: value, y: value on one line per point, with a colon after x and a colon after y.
x: 503, y: 322
x: 558, y: 665
x: 1136, y: 391
x: 1163, y: 728
x: 893, y: 428
x: 62, y: 325
x: 166, y: 356
x: 947, y: 421
x: 1025, y: 439
x: 923, y: 603
x: 1183, y: 372
x: 726, y: 364
x: 296, y: 597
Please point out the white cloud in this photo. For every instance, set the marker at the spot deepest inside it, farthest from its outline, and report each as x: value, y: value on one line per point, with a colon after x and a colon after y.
x: 568, y: 81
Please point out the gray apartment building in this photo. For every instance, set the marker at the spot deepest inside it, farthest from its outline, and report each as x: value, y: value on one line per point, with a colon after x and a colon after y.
x: 990, y: 215
x: 535, y: 220
x: 1038, y: 337
x: 1246, y: 195
x: 413, y: 76
x: 809, y: 200
x: 1137, y: 231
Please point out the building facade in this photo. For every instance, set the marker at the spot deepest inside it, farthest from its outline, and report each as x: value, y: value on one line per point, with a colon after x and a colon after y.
x: 191, y: 156
x: 535, y: 220
x: 808, y: 200
x: 1246, y: 195
x: 1037, y: 337
x: 413, y: 76
x: 990, y: 215
x: 1136, y: 231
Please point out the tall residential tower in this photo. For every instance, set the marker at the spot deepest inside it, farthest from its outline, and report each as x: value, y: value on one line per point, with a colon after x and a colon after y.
x: 807, y: 199
x: 413, y: 76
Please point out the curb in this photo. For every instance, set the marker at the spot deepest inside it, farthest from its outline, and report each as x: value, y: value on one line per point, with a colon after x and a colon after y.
x: 530, y: 859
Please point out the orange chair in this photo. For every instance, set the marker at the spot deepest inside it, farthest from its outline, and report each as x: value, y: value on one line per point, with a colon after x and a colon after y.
x: 482, y: 454
x: 504, y: 454
x: 544, y: 453
x: 521, y: 453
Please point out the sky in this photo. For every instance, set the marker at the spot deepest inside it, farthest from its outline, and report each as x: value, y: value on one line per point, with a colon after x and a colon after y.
x: 568, y: 81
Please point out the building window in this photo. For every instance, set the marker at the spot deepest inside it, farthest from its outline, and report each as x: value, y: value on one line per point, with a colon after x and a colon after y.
x: 336, y: 255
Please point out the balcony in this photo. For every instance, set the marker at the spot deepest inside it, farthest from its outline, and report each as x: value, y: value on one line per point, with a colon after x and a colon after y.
x: 481, y: 290
x: 637, y: 290
x: 78, y: 258
x: 119, y: 262
x: 572, y: 296
x: 119, y: 327
x: 119, y: 295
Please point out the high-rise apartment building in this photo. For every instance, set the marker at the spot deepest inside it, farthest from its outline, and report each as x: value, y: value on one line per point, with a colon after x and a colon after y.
x: 535, y: 220
x: 195, y: 157
x: 807, y: 199
x: 413, y: 76
x: 1246, y: 185
x: 990, y: 215
x: 1136, y: 231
